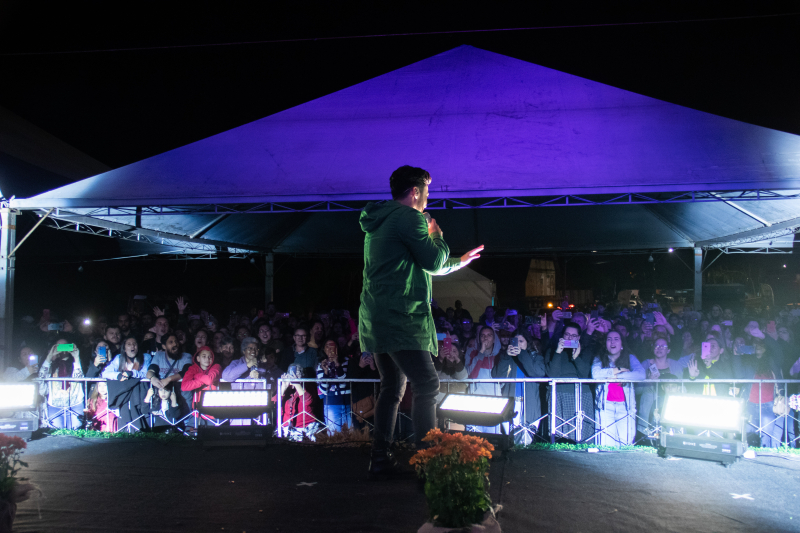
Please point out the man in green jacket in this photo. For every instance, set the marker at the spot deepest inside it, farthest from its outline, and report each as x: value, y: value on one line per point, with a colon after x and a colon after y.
x: 402, y: 249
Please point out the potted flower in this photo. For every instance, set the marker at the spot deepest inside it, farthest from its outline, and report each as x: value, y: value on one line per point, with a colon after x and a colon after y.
x: 12, y: 491
x: 456, y: 472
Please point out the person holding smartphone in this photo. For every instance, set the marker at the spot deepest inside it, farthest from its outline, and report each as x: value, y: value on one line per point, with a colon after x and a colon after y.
x: 569, y: 360
x: 28, y: 366
x: 402, y: 249
x: 131, y: 363
x: 64, y: 399
x: 100, y: 358
x: 520, y: 359
x: 616, y: 402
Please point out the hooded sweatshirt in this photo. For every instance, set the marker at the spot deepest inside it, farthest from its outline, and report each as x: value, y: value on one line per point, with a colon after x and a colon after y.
x: 196, y: 379
x: 399, y: 259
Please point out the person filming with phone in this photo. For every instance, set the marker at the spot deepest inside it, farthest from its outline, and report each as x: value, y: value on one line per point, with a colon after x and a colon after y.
x: 28, y: 366
x: 402, y: 249
x: 65, y: 401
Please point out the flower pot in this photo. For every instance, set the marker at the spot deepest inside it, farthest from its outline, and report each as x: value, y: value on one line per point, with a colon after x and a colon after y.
x: 489, y: 525
x: 8, y: 510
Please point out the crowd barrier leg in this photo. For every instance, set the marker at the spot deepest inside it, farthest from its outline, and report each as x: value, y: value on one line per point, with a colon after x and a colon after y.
x: 553, y: 413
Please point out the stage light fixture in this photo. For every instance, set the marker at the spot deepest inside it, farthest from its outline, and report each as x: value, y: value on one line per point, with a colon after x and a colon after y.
x: 474, y: 410
x: 706, y: 412
x: 671, y: 250
x: 702, y: 412
x: 17, y: 396
x: 235, y: 403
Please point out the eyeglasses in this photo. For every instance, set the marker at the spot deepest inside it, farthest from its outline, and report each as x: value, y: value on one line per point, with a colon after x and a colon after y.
x: 570, y: 336
x: 660, y: 347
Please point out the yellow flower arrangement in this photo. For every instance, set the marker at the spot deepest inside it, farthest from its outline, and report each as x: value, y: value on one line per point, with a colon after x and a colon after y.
x: 456, y: 471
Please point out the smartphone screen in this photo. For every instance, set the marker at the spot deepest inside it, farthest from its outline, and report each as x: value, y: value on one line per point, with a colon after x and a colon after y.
x: 595, y: 314
x: 705, y: 349
x: 65, y: 348
x: 33, y: 360
x: 441, y: 336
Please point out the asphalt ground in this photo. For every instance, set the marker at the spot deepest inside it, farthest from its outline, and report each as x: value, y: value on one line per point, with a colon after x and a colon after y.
x: 145, y: 485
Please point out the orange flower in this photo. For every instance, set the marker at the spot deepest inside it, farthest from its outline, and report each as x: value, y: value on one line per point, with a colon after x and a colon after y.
x: 453, y: 447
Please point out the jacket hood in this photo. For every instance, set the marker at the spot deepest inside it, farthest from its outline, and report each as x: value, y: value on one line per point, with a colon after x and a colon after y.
x: 373, y: 214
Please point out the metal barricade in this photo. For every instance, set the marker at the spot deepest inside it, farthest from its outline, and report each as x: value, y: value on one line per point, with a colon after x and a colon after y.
x: 570, y: 425
x: 179, y: 423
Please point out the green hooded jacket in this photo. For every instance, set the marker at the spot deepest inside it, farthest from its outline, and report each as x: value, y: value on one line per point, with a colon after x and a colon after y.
x: 399, y: 259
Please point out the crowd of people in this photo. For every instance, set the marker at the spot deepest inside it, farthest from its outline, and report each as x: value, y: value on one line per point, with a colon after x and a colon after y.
x: 158, y: 362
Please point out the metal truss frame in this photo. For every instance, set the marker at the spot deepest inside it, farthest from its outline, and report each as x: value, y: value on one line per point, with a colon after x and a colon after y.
x: 187, y: 247
x: 567, y: 200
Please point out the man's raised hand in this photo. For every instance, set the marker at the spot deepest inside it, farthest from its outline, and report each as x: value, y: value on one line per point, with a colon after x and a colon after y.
x: 472, y: 255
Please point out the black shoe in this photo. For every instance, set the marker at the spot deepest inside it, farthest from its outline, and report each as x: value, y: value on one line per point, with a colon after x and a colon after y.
x: 382, y: 463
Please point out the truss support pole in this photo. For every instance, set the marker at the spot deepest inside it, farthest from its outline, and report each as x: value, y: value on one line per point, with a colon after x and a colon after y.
x: 8, y: 238
x: 698, y: 279
x: 269, y: 277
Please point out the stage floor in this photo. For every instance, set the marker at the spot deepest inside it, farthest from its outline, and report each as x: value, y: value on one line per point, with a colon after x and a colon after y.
x: 143, y: 485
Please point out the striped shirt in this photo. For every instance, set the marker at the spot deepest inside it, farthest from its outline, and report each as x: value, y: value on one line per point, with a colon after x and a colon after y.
x: 334, y: 389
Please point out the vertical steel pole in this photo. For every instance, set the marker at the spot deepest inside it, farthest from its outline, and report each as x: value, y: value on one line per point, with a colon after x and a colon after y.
x: 8, y: 239
x: 269, y: 278
x: 279, y: 414
x: 578, y: 413
x: 553, y: 413
x: 698, y: 279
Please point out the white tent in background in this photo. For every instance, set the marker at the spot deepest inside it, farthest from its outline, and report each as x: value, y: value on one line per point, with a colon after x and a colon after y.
x: 474, y: 290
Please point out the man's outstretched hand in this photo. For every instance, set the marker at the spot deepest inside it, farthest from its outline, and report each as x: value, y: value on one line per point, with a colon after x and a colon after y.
x: 471, y: 256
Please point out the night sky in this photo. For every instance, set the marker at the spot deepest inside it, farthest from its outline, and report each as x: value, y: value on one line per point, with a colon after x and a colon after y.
x: 126, y: 105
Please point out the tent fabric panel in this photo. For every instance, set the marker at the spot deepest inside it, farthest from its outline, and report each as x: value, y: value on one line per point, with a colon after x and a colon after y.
x: 708, y: 220
x: 503, y: 230
x: 483, y: 124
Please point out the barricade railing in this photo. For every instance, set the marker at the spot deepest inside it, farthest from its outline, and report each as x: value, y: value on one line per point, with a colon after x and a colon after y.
x: 568, y: 417
x: 582, y: 423
x: 178, y: 424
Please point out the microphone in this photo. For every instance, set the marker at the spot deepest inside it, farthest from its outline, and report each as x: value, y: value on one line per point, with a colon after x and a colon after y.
x: 427, y: 217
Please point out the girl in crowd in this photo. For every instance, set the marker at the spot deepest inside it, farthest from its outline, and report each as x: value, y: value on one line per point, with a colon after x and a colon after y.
x: 335, y: 396
x: 163, y: 405
x: 98, y: 416
x: 100, y: 357
x: 522, y: 361
x: 64, y: 400
x: 616, y: 402
x: 129, y: 364
x: 575, y: 363
x: 202, y: 375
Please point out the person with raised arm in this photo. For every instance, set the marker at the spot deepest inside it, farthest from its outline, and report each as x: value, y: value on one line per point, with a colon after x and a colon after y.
x: 402, y: 249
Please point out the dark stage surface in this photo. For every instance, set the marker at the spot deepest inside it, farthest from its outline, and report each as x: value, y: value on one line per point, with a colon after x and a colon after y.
x: 133, y: 485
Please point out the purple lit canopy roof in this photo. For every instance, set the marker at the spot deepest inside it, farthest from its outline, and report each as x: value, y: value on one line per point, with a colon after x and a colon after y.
x: 485, y: 126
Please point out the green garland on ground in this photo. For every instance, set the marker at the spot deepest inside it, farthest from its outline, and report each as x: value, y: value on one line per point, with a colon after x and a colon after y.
x: 91, y: 434
x: 546, y: 446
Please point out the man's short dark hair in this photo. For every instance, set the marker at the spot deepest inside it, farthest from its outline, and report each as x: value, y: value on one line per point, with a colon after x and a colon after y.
x: 406, y: 178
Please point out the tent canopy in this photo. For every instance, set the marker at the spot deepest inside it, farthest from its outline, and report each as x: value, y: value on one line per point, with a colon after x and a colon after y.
x: 485, y: 126
x: 473, y: 290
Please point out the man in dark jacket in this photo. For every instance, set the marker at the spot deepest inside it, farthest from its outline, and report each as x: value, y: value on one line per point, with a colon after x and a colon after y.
x: 401, y: 251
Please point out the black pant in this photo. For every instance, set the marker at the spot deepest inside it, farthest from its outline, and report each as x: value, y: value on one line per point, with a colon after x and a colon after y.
x: 395, y: 367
